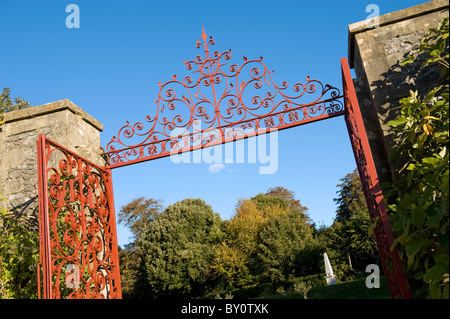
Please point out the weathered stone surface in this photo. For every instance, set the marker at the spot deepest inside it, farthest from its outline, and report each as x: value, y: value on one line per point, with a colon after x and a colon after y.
x: 375, y: 54
x: 61, y: 121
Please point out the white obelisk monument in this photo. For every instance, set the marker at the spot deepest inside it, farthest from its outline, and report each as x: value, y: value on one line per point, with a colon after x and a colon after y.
x: 331, y: 279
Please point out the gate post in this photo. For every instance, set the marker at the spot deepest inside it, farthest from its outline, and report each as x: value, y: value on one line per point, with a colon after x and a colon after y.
x: 392, y: 264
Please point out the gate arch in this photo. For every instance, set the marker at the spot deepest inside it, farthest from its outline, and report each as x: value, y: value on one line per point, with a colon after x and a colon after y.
x: 221, y: 102
x: 232, y: 101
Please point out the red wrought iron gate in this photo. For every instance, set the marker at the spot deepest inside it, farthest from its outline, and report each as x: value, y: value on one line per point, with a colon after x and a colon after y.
x: 77, y: 228
x: 225, y: 100
x: 392, y: 264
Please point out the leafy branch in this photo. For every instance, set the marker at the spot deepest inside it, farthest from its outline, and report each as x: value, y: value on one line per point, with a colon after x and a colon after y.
x: 420, y: 212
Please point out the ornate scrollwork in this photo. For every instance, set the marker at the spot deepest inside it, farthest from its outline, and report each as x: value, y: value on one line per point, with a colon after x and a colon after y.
x: 217, y: 102
x: 83, y: 246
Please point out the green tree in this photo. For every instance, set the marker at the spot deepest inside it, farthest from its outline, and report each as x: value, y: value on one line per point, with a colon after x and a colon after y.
x: 287, y: 247
x: 294, y: 204
x: 8, y: 104
x: 132, y: 273
x: 139, y: 213
x: 236, y: 258
x: 250, y: 216
x: 419, y: 205
x: 268, y: 239
x: 243, y: 228
x: 350, y: 245
x: 178, y: 248
x: 230, y: 266
x: 136, y: 215
x: 351, y: 197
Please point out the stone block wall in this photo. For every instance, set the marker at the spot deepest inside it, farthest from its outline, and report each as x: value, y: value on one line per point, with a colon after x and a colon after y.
x: 375, y: 55
x: 61, y: 121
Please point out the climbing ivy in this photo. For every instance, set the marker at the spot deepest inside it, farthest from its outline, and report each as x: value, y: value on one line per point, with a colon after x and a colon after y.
x: 420, y: 213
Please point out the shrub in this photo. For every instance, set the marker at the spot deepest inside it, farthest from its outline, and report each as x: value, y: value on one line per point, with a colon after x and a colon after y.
x: 420, y: 212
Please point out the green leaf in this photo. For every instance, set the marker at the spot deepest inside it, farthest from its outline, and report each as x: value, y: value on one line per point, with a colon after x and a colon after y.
x: 392, y: 207
x: 398, y: 121
x: 435, y: 290
x: 404, y: 239
x: 435, y: 52
x: 443, y: 260
x: 372, y: 226
x: 418, y: 217
x: 409, y: 59
x: 423, y: 138
x: 409, y: 178
x: 413, y: 247
x: 431, y: 160
x: 435, y: 273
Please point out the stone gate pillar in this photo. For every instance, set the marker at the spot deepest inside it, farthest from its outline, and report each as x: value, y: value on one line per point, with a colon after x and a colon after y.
x: 61, y: 121
x: 375, y: 55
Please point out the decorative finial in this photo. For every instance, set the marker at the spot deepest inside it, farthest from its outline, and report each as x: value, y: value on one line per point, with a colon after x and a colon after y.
x: 204, y: 36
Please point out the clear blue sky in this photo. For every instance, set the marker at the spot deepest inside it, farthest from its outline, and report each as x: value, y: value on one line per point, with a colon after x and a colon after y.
x: 111, y: 65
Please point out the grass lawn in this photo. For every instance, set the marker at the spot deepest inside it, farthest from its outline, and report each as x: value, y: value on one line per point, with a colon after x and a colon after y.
x: 351, y: 290
x: 347, y: 290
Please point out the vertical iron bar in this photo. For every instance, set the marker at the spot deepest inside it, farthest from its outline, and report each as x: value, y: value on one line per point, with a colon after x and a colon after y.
x: 44, y: 233
x: 112, y: 222
x: 392, y: 264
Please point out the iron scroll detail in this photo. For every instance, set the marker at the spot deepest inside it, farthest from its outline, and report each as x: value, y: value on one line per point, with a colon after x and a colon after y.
x: 77, y: 228
x: 220, y: 102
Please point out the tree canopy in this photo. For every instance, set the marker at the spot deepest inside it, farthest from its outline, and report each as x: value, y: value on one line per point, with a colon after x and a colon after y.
x: 8, y: 104
x: 351, y: 197
x: 187, y: 250
x: 139, y: 213
x: 178, y: 247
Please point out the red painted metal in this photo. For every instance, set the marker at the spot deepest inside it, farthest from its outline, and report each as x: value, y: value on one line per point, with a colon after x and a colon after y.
x: 44, y: 245
x: 77, y: 228
x: 225, y: 100
x: 392, y: 264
